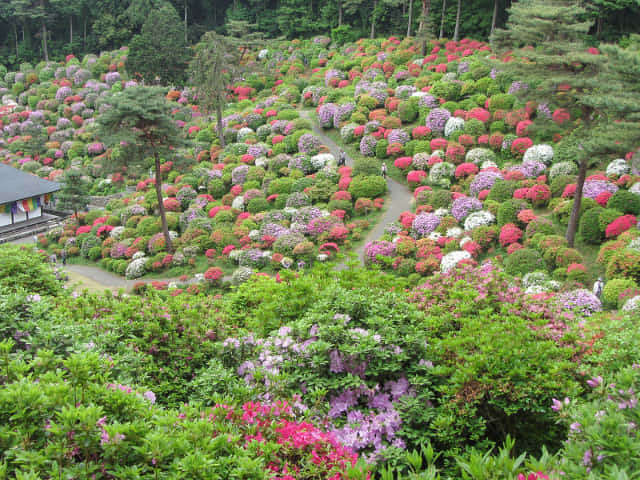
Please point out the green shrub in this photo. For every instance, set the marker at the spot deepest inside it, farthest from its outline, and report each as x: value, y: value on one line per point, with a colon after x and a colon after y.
x: 508, y: 211
x: 23, y: 269
x: 381, y: 148
x: 366, y: 166
x: 625, y: 201
x: 407, y: 111
x: 440, y: 199
x: 607, y: 216
x: 148, y: 226
x: 624, y: 263
x: 502, y: 190
x: 368, y: 187
x: 613, y: 288
x: 256, y: 205
x: 524, y: 261
x: 559, y: 183
x: 94, y: 253
x: 589, y: 227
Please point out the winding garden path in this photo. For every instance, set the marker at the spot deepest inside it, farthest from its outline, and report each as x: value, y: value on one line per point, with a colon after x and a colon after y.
x: 398, y: 198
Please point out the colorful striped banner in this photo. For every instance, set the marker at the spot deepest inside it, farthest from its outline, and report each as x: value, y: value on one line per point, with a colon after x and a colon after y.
x: 6, y: 208
x: 28, y: 205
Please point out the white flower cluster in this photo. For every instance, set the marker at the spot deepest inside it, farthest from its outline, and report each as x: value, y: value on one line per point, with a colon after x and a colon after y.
x: 234, y: 255
x: 254, y: 235
x: 241, y: 275
x: 441, y: 212
x: 138, y: 255
x: 346, y: 132
x: 488, y: 164
x: 634, y: 244
x: 635, y: 188
x: 453, y: 124
x: 539, y: 153
x: 539, y: 282
x: 438, y: 154
x: 238, y: 203
x: 563, y: 168
x: 435, y: 236
x: 135, y: 269
x: 261, y: 162
x: 464, y: 240
x: 632, y: 305
x: 480, y: 155
x: 116, y: 233
x: 286, y: 262
x: 244, y: 133
x: 618, y: 167
x: 321, y: 160
x: 440, y: 171
x: 478, y: 219
x: 450, y: 260
x: 262, y: 54
x: 454, y: 232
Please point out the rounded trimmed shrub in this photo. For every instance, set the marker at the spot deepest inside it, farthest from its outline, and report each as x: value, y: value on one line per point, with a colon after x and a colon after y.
x: 613, y: 288
x: 524, y: 261
x: 625, y: 201
x: 368, y: 187
x: 589, y: 227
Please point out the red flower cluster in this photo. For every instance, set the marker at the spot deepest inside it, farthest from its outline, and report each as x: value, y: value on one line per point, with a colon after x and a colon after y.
x: 620, y: 225
x: 509, y: 234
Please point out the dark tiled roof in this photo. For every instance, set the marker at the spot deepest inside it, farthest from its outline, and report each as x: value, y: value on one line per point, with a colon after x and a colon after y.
x: 17, y: 185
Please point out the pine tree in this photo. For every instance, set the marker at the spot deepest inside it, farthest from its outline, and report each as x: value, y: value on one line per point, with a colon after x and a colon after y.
x: 551, y: 57
x: 139, y: 125
x: 74, y: 194
x: 213, y: 69
x: 160, y: 50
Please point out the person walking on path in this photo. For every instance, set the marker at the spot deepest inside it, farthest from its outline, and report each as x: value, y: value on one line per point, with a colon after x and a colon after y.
x: 63, y: 256
x: 342, y: 158
x: 598, y: 287
x: 383, y: 169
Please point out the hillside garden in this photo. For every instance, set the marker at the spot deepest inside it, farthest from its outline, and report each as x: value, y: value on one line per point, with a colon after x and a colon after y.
x: 466, y: 343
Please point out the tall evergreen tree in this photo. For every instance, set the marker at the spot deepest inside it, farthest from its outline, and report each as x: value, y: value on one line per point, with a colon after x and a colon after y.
x: 139, y: 125
x: 74, y: 194
x: 561, y: 71
x: 160, y: 51
x: 213, y: 68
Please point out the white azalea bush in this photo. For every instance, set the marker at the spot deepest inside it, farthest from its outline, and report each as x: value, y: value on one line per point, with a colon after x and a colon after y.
x: 480, y: 155
x: 563, y: 168
x: 450, y: 260
x: 442, y: 171
x: 136, y: 268
x: 618, y: 167
x: 322, y: 160
x: 479, y: 219
x: 539, y: 153
x: 453, y: 124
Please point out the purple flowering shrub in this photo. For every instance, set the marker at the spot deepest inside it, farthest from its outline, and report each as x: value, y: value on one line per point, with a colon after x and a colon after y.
x: 344, y: 347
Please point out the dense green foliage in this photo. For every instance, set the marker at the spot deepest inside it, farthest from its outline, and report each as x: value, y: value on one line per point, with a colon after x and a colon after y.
x: 81, y: 26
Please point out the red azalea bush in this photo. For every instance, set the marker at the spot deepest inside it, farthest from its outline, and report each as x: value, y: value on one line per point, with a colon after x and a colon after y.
x: 620, y: 225
x: 466, y: 169
x: 509, y: 234
x: 403, y: 162
x: 213, y: 275
x: 539, y: 194
x: 415, y: 176
x: 602, y: 198
x: 521, y: 145
x: 171, y: 204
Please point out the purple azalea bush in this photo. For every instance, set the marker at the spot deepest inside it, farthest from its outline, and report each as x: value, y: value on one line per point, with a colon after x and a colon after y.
x: 424, y: 224
x: 437, y: 119
x: 463, y: 206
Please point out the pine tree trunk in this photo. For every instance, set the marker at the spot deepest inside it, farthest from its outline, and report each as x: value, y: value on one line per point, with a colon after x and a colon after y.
x: 219, y: 120
x: 426, y: 7
x: 70, y: 29
x: 456, y: 33
x: 84, y: 33
x: 163, y: 215
x: 339, y: 13
x: 44, y: 42
x: 410, y: 18
x: 495, y: 16
x: 575, y: 212
x: 373, y: 19
x: 45, y: 47
x: 444, y: 10
x: 185, y: 21
x: 15, y: 33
